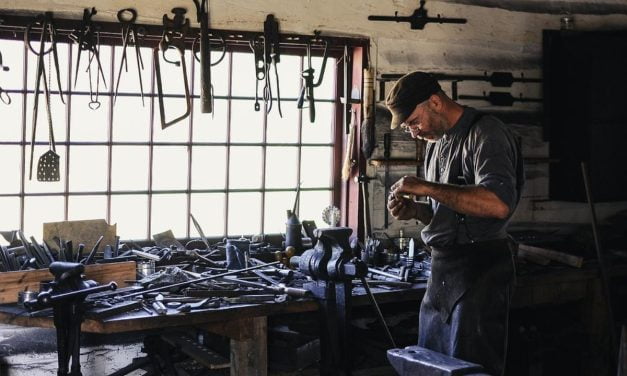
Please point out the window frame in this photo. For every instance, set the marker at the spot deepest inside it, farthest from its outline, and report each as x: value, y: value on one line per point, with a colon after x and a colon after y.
x: 236, y: 41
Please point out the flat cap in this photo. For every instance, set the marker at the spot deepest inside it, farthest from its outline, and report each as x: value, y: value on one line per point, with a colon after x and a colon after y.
x: 409, y: 91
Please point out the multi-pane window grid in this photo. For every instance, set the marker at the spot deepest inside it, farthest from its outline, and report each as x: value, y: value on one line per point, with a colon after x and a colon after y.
x: 236, y: 170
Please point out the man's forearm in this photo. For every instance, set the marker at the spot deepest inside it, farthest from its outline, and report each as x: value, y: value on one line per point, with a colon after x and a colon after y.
x: 473, y: 200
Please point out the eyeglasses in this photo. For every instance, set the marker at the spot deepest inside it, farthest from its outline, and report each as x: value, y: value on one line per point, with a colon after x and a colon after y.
x: 408, y: 125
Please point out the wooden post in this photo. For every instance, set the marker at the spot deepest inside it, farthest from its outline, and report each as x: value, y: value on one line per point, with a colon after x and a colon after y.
x: 249, y: 344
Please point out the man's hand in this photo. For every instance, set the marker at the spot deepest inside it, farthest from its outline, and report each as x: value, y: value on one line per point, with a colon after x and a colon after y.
x: 402, y: 208
x: 409, y: 185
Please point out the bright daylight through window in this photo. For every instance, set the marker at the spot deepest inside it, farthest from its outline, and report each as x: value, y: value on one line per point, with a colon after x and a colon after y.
x: 236, y: 170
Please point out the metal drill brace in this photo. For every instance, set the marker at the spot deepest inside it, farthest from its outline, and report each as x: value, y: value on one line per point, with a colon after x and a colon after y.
x: 174, y: 32
x: 307, y: 92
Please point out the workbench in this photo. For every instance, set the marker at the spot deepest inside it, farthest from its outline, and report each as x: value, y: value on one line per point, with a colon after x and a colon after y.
x: 246, y: 324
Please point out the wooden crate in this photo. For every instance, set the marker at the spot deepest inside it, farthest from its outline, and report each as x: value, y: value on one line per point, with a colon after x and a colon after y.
x: 13, y: 282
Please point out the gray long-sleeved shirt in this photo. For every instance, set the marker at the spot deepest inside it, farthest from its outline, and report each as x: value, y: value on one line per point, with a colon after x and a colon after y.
x: 484, y: 153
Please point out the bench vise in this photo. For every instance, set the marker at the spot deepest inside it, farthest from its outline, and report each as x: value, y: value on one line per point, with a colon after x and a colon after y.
x: 332, y: 266
x: 66, y: 296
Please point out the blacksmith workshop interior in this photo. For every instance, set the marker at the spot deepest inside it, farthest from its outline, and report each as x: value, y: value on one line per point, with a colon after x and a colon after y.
x: 357, y: 187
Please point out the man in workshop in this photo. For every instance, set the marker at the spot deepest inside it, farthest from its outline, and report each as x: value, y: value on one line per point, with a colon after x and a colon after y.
x: 473, y: 178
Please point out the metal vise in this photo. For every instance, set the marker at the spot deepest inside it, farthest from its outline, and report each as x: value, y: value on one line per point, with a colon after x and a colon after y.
x: 332, y: 257
x: 332, y: 267
x: 66, y: 295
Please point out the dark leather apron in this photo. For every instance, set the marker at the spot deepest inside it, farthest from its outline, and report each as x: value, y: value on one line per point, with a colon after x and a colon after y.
x: 465, y: 309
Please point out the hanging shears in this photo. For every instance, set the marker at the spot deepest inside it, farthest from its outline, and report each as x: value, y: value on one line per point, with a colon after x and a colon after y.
x: 307, y: 92
x: 130, y: 36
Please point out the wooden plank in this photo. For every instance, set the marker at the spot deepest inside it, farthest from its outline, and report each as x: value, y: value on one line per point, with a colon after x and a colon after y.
x: 13, y: 282
x: 562, y: 257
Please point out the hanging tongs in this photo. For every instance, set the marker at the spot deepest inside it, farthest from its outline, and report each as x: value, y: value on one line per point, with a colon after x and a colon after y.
x: 86, y: 38
x: 307, y: 92
x: 48, y: 166
x: 174, y: 32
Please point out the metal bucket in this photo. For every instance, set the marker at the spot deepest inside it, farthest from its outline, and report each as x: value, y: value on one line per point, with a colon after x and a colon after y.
x: 25, y: 296
x: 145, y: 268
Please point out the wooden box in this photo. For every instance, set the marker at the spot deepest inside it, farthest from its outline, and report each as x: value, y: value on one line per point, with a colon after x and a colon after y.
x: 13, y: 282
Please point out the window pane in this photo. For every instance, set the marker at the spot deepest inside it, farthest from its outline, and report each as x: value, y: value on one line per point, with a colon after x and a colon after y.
x: 129, y: 83
x: 208, y: 167
x: 32, y: 186
x: 130, y: 213
x: 208, y: 209
x: 177, y: 132
x: 169, y: 212
x: 11, y: 115
x: 171, y: 75
x: 246, y: 123
x: 243, y: 84
x: 169, y: 167
x: 283, y: 130
x: 210, y: 127
x: 276, y: 206
x: 281, y: 164
x: 58, y: 111
x: 219, y: 73
x: 131, y: 120
x: 321, y: 131
x: 88, y: 168
x: 39, y: 210
x: 87, y: 207
x: 10, y: 218
x: 62, y: 52
x: 87, y: 124
x: 327, y: 89
x: 245, y: 167
x: 312, y: 203
x: 13, y: 58
x: 316, y: 164
x: 82, y: 84
x: 289, y: 79
x: 244, y: 213
x: 11, y: 160
x: 129, y: 170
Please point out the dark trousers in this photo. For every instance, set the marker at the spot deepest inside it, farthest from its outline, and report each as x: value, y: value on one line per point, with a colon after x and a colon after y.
x: 465, y: 310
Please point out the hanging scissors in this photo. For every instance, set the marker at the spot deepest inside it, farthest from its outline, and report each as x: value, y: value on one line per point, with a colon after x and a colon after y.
x: 130, y: 36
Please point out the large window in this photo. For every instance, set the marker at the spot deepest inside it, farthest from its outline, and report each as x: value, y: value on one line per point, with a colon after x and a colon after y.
x: 236, y: 170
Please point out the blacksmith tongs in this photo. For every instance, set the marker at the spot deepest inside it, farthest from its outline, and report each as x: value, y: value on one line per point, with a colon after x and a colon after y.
x: 130, y: 35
